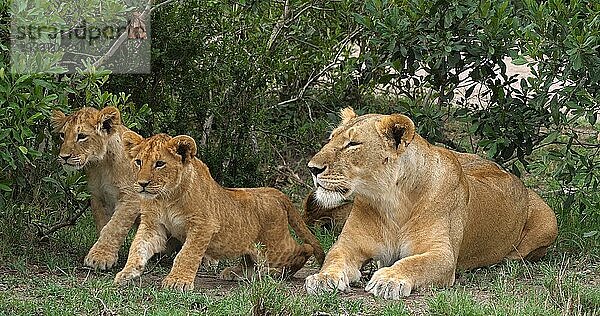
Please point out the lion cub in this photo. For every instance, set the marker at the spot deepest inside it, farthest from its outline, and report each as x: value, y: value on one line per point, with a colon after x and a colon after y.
x: 316, y: 214
x: 92, y: 140
x: 180, y: 197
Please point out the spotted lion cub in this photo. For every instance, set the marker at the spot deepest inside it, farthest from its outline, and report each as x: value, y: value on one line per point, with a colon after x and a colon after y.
x: 180, y: 197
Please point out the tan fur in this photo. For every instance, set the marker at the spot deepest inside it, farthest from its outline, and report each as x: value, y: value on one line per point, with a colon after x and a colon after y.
x: 422, y: 211
x: 92, y: 140
x: 181, y: 198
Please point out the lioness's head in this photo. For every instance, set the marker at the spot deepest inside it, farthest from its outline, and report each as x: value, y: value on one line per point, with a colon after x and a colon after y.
x: 361, y: 155
x: 161, y: 161
x: 85, y: 134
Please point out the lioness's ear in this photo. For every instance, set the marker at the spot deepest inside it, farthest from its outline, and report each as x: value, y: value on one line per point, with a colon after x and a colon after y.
x: 58, y: 120
x: 183, y: 146
x: 347, y: 114
x: 108, y: 118
x: 398, y: 129
x: 130, y: 140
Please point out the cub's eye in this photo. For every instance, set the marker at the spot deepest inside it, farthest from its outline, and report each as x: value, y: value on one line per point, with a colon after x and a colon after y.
x: 138, y: 162
x: 159, y: 164
x: 81, y: 137
x: 61, y: 135
x: 352, y: 144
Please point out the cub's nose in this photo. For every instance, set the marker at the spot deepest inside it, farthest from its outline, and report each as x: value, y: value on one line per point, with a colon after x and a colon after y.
x: 65, y: 157
x: 143, y: 184
x: 315, y: 169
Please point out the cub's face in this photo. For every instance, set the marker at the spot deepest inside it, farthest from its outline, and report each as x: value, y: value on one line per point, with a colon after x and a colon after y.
x: 160, y: 160
x: 84, y: 134
x: 359, y: 155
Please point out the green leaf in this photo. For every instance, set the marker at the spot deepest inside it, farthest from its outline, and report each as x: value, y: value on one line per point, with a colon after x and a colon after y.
x: 551, y: 137
x: 590, y: 234
x: 22, y: 78
x: 5, y: 188
x: 519, y: 61
x: 484, y: 8
x: 23, y: 150
x: 52, y: 180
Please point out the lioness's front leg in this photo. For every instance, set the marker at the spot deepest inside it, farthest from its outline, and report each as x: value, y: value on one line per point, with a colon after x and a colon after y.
x: 103, y: 254
x: 188, y: 260
x: 348, y: 254
x: 150, y: 238
x: 435, y: 267
x: 341, y: 267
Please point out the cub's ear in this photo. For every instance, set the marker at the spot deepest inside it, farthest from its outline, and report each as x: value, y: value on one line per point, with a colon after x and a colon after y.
x: 347, y: 114
x: 108, y: 118
x: 130, y: 140
x: 58, y: 120
x: 398, y: 129
x: 184, y: 147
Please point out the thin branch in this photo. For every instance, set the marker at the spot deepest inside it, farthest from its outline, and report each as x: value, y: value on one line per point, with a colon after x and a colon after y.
x: 69, y: 222
x: 160, y: 5
x: 313, y: 78
x: 117, y: 44
x: 575, y: 143
x: 289, y: 138
x: 279, y: 25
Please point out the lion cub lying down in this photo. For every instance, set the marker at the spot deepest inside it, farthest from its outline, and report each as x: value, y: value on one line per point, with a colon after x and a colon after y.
x: 422, y: 211
x: 181, y: 198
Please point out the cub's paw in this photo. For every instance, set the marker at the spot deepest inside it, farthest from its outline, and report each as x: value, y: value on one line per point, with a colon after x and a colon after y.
x: 386, y: 285
x: 178, y: 283
x: 125, y: 276
x: 326, y: 282
x: 99, y: 258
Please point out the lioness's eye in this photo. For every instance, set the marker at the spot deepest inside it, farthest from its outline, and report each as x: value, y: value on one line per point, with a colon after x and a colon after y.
x: 352, y: 144
x: 81, y: 136
x: 138, y: 162
x: 61, y: 135
x: 159, y: 164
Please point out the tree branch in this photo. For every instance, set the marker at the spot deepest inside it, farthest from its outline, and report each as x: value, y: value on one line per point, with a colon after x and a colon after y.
x: 117, y: 44
x: 313, y: 78
x: 44, y: 235
x: 279, y: 25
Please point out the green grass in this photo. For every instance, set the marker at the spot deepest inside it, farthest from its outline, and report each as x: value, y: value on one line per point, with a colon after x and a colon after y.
x: 47, y: 278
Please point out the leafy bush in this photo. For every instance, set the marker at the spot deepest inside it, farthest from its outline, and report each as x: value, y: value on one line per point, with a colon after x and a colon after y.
x: 34, y: 190
x: 455, y: 49
x: 258, y: 85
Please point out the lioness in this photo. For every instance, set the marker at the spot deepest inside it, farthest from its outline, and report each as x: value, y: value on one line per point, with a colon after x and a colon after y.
x: 420, y: 210
x: 180, y: 197
x: 92, y: 141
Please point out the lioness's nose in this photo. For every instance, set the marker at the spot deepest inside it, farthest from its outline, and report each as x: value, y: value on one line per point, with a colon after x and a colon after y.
x: 65, y: 157
x: 143, y: 184
x: 316, y: 169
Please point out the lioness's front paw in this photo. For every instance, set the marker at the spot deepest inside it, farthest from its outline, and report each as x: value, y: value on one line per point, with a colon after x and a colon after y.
x: 125, y: 276
x: 384, y: 284
x: 326, y: 282
x: 178, y: 283
x: 99, y: 258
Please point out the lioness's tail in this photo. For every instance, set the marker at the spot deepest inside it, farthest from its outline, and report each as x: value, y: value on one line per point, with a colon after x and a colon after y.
x: 303, y: 232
